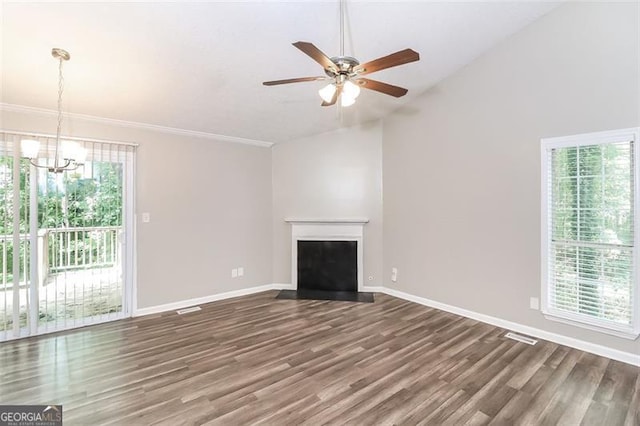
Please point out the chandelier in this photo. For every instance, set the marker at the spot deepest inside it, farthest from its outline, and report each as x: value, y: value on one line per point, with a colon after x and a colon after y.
x: 69, y: 155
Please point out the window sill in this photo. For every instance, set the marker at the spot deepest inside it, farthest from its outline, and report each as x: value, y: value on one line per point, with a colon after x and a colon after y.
x: 628, y: 334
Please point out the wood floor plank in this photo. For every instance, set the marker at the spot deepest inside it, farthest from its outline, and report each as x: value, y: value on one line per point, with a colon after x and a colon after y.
x: 258, y: 360
x: 633, y: 415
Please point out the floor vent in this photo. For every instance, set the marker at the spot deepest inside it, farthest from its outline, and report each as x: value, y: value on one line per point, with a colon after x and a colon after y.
x: 520, y: 338
x: 187, y: 310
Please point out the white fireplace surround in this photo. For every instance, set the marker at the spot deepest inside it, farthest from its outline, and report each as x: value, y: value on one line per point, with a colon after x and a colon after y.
x: 339, y: 229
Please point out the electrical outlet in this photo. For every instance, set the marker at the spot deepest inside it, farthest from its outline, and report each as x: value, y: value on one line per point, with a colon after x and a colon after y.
x: 394, y: 275
x: 240, y: 271
x: 234, y: 273
x: 534, y: 303
x: 146, y: 217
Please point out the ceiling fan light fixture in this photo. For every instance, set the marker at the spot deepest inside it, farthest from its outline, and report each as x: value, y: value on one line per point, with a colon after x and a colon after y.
x: 327, y: 92
x: 350, y: 89
x: 346, y: 100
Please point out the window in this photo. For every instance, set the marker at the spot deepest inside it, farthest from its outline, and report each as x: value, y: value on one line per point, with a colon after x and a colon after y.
x: 589, y: 228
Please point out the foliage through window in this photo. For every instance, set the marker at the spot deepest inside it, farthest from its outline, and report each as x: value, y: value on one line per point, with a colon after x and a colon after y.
x: 589, y: 253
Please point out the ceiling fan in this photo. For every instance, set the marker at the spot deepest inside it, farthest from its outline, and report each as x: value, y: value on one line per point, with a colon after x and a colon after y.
x: 345, y: 73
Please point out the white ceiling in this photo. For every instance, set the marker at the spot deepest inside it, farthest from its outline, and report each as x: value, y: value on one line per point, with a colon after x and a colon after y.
x: 199, y: 66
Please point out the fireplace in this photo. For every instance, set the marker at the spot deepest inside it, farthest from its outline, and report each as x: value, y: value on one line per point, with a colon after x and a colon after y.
x: 327, y: 254
x: 327, y: 265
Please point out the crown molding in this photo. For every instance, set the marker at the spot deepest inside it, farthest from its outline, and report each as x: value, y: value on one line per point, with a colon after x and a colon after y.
x: 135, y: 125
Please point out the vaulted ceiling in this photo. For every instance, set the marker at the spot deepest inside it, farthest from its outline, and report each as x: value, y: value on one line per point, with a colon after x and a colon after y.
x: 199, y: 66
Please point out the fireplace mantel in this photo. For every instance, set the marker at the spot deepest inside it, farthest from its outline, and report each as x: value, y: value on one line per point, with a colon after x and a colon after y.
x: 327, y: 229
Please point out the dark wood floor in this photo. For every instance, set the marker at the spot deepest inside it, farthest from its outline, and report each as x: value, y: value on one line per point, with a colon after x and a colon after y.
x: 255, y: 359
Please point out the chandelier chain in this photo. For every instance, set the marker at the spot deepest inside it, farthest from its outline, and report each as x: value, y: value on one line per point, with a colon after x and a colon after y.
x: 60, y: 90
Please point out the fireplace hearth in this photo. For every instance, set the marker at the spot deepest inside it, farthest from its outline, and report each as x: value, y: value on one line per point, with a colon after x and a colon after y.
x: 341, y: 296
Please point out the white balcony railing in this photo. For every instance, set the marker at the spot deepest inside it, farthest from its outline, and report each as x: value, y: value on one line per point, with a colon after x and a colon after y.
x: 6, y: 258
x: 63, y: 249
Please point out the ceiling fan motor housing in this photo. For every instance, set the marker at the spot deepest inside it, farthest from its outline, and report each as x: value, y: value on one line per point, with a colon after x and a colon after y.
x: 346, y: 66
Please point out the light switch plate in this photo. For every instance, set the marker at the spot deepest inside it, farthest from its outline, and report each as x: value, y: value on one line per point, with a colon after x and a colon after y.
x: 240, y: 271
x: 146, y: 217
x: 534, y: 303
x: 234, y: 273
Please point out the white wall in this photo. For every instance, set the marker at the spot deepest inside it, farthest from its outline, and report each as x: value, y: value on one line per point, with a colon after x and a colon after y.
x: 462, y: 164
x: 210, y: 206
x: 331, y: 175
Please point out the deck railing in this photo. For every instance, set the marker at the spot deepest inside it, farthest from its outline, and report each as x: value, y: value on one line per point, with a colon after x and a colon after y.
x: 63, y: 249
x: 6, y: 258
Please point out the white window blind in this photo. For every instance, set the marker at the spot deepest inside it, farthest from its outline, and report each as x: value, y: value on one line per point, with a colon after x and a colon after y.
x: 589, y: 191
x: 66, y: 239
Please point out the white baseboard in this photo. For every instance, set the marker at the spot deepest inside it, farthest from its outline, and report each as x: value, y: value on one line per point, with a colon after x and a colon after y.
x: 372, y: 289
x: 206, y: 299
x: 626, y: 357
x: 283, y: 286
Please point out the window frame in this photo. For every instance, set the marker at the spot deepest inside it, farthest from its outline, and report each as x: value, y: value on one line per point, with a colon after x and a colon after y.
x: 597, y: 138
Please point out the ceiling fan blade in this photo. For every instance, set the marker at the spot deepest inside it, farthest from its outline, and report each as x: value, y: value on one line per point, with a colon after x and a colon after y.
x: 378, y: 86
x: 399, y: 58
x: 316, y: 54
x: 292, y: 80
x: 336, y: 95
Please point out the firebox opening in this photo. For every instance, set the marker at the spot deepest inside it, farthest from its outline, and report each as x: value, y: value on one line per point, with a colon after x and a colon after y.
x: 328, y: 265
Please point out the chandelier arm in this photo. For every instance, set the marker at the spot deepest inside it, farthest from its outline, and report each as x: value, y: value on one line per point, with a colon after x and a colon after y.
x: 40, y: 166
x: 69, y: 165
x: 59, y: 169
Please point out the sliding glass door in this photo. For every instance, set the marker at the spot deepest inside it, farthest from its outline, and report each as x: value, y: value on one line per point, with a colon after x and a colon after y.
x: 65, y: 238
